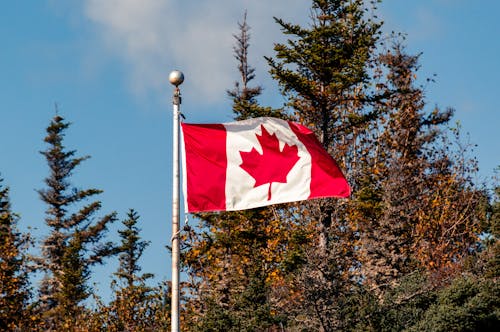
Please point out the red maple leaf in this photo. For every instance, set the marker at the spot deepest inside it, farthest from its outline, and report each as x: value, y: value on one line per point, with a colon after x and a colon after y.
x: 273, y: 165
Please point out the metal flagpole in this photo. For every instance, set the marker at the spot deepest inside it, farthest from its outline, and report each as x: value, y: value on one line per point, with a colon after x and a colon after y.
x: 176, y: 78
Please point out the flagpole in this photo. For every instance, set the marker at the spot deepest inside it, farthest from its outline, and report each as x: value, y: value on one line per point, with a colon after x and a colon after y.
x: 176, y: 78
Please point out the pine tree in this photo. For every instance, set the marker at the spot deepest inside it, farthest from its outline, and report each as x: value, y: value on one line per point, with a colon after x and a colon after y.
x: 14, y: 282
x: 75, y: 242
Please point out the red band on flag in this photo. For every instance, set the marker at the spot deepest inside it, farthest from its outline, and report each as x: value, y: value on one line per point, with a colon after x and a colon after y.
x: 206, y: 165
x: 326, y: 178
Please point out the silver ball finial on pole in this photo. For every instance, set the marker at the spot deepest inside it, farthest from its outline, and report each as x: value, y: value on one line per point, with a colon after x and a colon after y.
x: 176, y: 77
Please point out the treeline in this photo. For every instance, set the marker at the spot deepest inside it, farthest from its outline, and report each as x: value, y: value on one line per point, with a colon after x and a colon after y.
x: 415, y: 248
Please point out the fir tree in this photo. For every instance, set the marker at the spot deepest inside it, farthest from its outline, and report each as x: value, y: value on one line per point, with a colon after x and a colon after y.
x: 75, y: 242
x: 244, y: 97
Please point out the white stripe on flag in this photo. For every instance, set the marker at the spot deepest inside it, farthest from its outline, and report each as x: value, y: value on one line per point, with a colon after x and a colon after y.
x: 240, y: 191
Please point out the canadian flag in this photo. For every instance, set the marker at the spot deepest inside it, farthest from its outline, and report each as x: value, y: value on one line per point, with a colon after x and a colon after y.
x: 256, y: 162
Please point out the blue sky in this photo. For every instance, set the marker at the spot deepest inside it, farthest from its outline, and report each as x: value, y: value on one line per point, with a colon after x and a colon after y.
x: 106, y: 64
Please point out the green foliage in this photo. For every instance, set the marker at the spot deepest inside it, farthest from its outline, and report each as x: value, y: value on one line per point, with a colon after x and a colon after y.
x: 320, y: 67
x: 468, y: 304
x: 73, y: 276
x: 131, y: 250
x: 134, y: 309
x: 403, y: 305
x: 249, y: 310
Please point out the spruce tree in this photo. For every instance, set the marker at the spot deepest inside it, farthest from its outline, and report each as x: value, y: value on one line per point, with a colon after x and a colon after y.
x: 131, y: 250
x: 325, y: 71
x: 394, y: 175
x: 14, y: 282
x: 76, y: 239
x: 134, y: 306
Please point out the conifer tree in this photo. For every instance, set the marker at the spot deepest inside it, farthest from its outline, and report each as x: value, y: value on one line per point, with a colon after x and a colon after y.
x: 131, y: 250
x: 394, y: 175
x: 14, y: 283
x: 324, y: 70
x: 76, y: 239
x: 244, y: 97
x: 132, y: 308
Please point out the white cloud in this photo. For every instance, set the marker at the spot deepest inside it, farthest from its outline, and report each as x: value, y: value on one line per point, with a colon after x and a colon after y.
x: 132, y: 31
x: 154, y: 37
